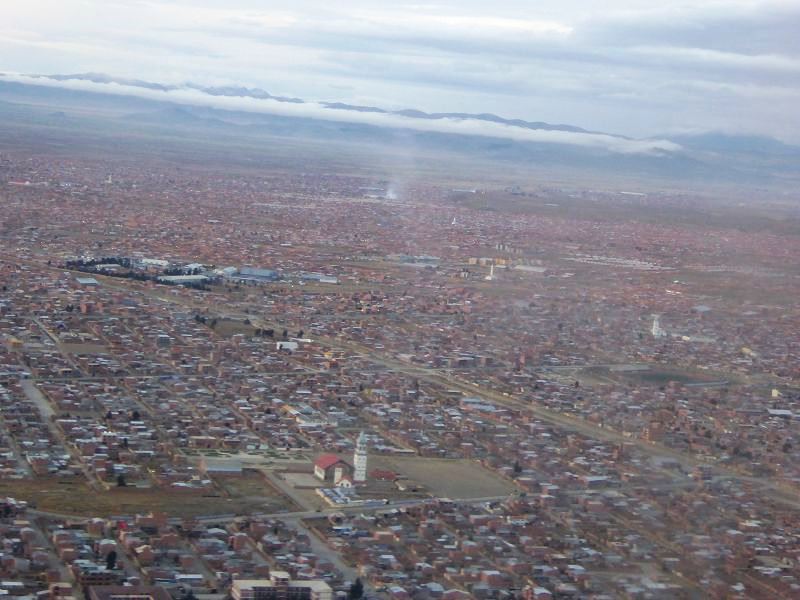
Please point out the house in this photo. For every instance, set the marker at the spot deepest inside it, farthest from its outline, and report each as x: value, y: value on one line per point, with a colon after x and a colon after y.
x: 331, y: 468
x: 220, y: 466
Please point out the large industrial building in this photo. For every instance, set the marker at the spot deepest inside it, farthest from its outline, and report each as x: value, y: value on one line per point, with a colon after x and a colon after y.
x: 253, y: 274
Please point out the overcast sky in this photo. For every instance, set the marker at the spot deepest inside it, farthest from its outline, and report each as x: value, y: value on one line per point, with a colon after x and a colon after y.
x: 635, y: 67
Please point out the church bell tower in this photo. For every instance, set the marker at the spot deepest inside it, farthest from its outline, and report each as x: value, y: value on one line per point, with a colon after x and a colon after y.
x: 360, y: 459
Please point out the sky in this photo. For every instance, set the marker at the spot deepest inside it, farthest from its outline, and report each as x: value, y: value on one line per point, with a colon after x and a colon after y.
x: 634, y: 67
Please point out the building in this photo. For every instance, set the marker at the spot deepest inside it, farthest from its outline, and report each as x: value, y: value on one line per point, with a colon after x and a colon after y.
x: 280, y: 587
x: 193, y: 268
x: 156, y: 263
x: 253, y: 274
x: 88, y: 574
x: 319, y: 277
x: 220, y: 466
x: 331, y: 468
x: 360, y: 459
x: 127, y: 592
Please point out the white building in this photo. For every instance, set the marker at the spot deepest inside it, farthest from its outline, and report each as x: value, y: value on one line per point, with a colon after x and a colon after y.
x: 360, y: 459
x: 280, y: 586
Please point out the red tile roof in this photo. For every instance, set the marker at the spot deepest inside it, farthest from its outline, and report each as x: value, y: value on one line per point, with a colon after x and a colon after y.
x: 326, y: 461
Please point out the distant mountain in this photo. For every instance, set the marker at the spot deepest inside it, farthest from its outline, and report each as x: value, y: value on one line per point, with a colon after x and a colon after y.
x: 724, y: 143
x: 242, y: 92
x: 245, y: 92
x: 490, y: 118
x: 102, y: 78
x: 710, y: 157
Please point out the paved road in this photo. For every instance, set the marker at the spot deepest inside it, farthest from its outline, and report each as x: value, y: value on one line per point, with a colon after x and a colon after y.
x: 297, y: 497
x: 34, y: 395
x: 322, y: 550
x: 11, y: 442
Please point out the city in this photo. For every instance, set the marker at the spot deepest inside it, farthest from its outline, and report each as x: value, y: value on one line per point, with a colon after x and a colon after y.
x: 372, y: 300
x: 527, y: 429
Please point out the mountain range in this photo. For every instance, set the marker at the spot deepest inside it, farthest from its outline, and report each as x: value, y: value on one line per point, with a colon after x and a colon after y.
x: 237, y: 110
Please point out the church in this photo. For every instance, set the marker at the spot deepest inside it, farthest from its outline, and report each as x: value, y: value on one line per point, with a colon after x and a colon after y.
x: 332, y: 469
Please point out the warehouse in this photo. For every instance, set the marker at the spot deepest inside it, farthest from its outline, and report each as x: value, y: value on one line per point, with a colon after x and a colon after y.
x: 254, y: 274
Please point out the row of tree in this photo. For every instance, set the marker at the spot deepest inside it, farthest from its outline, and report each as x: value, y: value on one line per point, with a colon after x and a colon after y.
x: 90, y: 266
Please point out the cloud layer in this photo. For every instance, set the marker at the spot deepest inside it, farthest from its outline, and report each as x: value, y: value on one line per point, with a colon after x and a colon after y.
x: 314, y: 110
x: 634, y: 66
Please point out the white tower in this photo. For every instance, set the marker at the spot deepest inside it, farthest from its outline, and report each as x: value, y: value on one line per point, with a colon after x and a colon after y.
x: 656, y: 329
x: 360, y: 459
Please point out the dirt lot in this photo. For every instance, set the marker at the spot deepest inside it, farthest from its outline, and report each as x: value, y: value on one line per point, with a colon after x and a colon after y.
x: 229, y: 327
x: 252, y: 486
x: 87, y: 348
x: 56, y: 495
x: 446, y: 477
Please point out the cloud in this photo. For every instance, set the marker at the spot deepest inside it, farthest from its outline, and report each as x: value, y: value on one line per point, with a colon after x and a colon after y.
x: 765, y: 27
x: 314, y: 110
x: 635, y: 66
x: 715, y: 58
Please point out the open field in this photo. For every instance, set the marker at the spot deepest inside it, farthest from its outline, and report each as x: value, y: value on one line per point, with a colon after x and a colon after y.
x: 77, y: 498
x: 229, y: 327
x: 86, y: 348
x: 453, y: 478
x: 252, y: 486
x: 661, y: 375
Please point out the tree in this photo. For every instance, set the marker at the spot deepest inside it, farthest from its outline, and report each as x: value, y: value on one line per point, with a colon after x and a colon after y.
x: 111, y: 560
x: 356, y: 590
